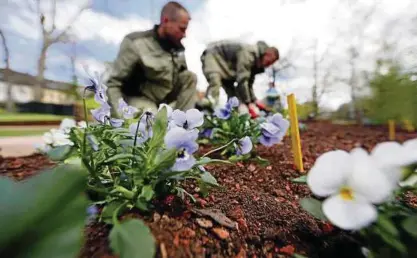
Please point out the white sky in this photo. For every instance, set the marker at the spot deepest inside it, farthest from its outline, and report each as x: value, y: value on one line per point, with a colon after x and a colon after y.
x: 293, y: 27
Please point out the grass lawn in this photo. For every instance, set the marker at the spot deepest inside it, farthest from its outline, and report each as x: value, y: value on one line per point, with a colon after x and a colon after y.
x: 29, y: 132
x: 17, y: 117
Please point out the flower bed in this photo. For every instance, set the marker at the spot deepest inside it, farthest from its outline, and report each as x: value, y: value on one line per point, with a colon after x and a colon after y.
x: 262, y: 200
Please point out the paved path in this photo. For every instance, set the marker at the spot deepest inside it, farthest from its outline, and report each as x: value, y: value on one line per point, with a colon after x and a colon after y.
x: 19, y: 146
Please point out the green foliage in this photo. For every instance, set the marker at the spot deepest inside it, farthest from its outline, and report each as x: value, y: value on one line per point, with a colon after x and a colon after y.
x: 225, y: 134
x: 393, y: 97
x: 122, y: 171
x: 43, y: 216
x: 132, y: 239
x: 304, y: 110
x: 313, y: 207
x: 393, y: 235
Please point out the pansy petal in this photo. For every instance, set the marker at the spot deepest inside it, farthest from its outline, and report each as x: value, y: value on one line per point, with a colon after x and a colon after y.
x: 222, y: 113
x: 194, y: 118
x: 190, y: 147
x: 268, y: 141
x: 367, y: 179
x: 184, y: 164
x: 349, y: 215
x: 233, y: 102
x: 410, y: 147
x: 269, y: 129
x: 329, y: 173
x: 179, y: 117
x: 244, y: 146
x: 388, y: 154
x: 175, y: 137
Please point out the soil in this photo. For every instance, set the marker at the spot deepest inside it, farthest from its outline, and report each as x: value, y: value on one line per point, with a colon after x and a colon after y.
x: 262, y: 201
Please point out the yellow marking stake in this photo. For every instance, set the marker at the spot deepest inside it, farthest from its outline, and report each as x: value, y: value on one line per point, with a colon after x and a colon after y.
x: 295, y: 133
x: 408, y: 126
x: 391, y: 129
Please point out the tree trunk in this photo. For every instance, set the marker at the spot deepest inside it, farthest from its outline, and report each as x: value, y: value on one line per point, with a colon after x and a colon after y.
x: 9, y: 98
x: 10, y: 106
x: 38, y: 89
x: 315, y: 86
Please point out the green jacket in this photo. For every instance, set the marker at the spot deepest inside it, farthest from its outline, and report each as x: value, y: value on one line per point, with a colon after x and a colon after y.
x: 146, y: 66
x: 227, y: 61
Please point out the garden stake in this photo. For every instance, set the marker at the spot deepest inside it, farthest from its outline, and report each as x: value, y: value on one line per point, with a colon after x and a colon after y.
x: 408, y: 126
x: 295, y: 133
x: 391, y: 129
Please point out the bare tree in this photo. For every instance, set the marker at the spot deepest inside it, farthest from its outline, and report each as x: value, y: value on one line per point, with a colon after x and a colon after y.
x: 50, y: 36
x: 9, y: 97
x: 356, y: 37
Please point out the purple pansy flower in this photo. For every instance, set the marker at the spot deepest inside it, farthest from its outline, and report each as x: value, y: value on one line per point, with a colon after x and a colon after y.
x: 128, y: 112
x: 225, y: 112
x: 207, y: 133
x: 145, y: 128
x: 273, y: 130
x: 232, y: 103
x: 244, y: 146
x: 98, y: 87
x: 115, y: 122
x: 185, y: 143
x: 102, y: 113
x: 188, y: 120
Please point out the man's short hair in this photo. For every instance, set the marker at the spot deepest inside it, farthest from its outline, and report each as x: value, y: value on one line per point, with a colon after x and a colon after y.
x: 275, y: 50
x: 171, y: 9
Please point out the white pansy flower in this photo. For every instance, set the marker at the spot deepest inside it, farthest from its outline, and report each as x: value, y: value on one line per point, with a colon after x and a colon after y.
x: 393, y: 157
x: 82, y: 124
x: 354, y: 183
x: 56, y: 138
x: 67, y: 124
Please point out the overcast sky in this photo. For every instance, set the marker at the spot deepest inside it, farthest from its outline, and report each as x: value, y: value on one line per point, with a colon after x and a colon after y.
x: 291, y: 25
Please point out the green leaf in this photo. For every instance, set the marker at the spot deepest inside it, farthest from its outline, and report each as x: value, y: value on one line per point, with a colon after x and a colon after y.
x: 127, y: 142
x: 108, y: 210
x: 208, y: 178
x: 46, y: 215
x: 207, y: 160
x: 119, y: 156
x: 313, y: 207
x: 141, y: 205
x: 110, y: 143
x: 147, y: 192
x: 299, y: 256
x: 301, y: 179
x: 159, y: 129
x: 391, y: 240
x: 74, y: 161
x: 59, y: 153
x: 165, y: 160
x: 132, y: 239
x: 262, y: 162
x: 386, y: 225
x: 410, y: 225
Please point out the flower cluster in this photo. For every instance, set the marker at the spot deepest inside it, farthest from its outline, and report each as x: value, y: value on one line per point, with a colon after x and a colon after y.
x: 356, y: 181
x: 59, y: 137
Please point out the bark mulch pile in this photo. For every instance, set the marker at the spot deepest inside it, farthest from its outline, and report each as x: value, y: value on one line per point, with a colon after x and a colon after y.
x: 254, y: 214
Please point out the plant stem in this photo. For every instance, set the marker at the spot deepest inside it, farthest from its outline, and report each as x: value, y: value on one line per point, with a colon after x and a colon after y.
x: 85, y: 130
x: 116, y: 213
x: 220, y: 148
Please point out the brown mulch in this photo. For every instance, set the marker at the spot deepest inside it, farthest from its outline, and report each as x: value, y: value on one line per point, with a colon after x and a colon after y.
x: 262, y: 201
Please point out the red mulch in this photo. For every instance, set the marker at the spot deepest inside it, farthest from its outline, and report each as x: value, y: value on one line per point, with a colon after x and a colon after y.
x: 263, y: 202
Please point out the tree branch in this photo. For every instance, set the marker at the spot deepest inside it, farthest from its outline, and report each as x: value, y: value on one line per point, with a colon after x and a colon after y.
x: 5, y: 49
x: 63, y: 35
